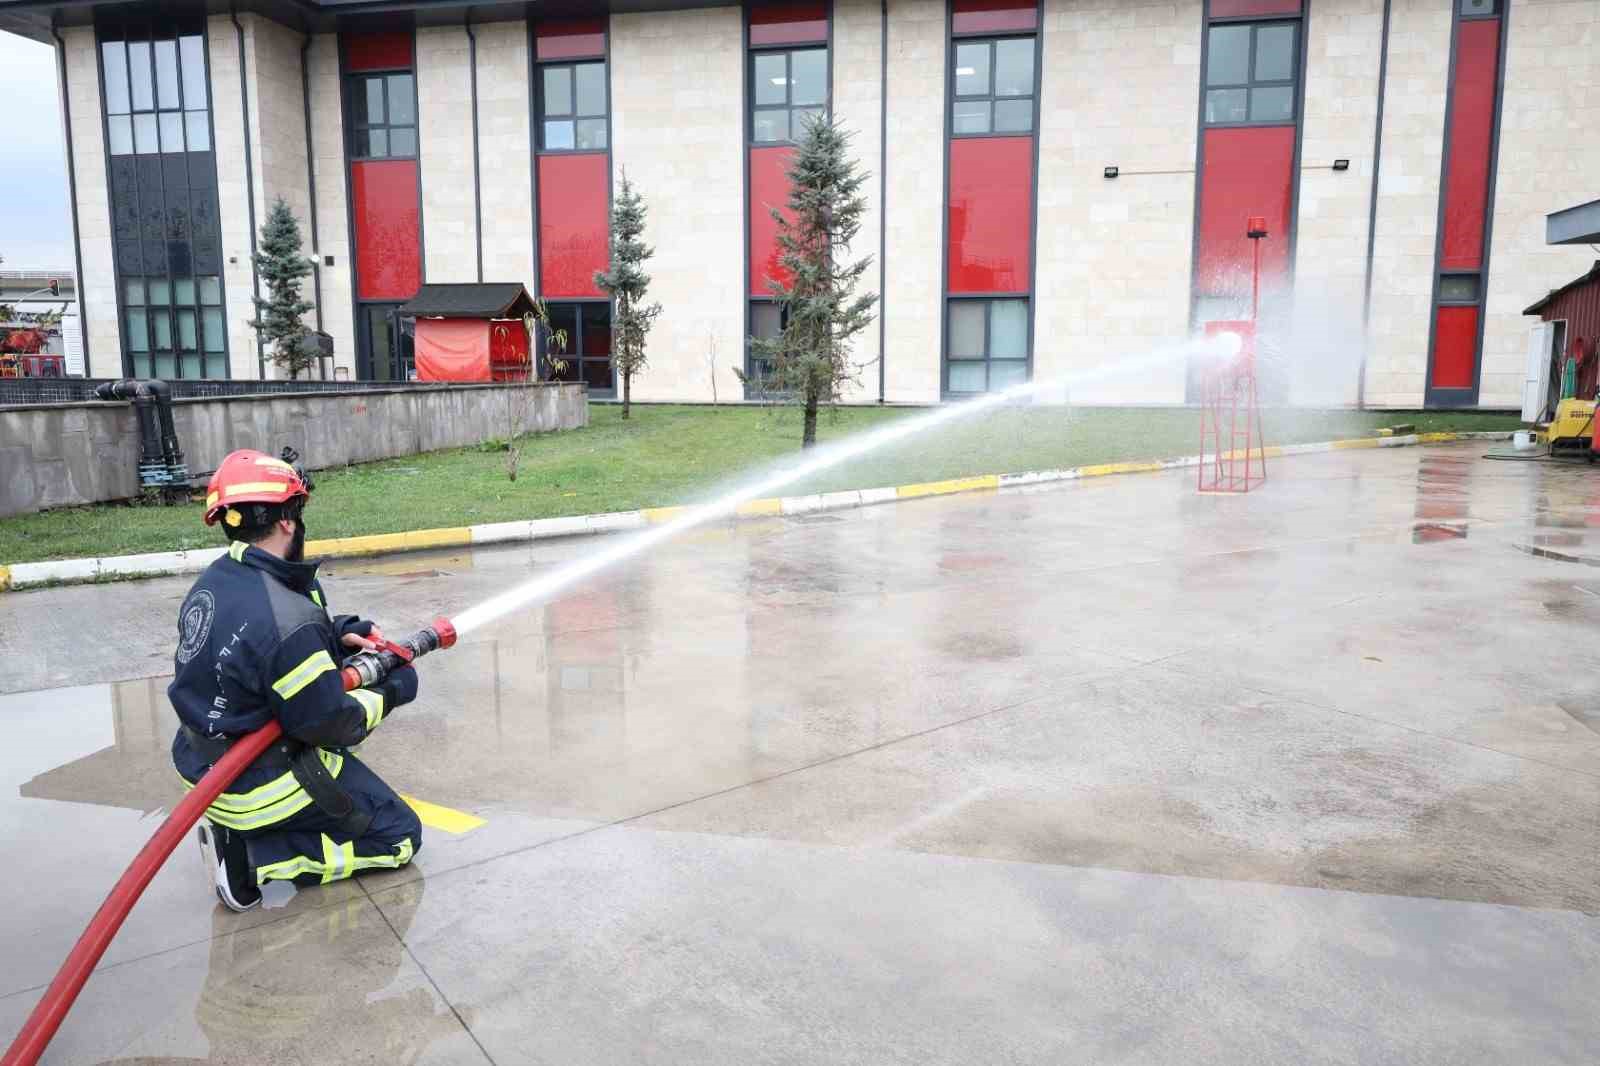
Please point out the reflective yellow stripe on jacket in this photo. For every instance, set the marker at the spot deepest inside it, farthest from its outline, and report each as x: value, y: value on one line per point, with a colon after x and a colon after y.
x: 315, y: 665
x: 267, y: 804
x: 372, y: 703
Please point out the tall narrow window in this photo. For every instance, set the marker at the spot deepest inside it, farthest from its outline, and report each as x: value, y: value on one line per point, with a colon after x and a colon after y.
x: 572, y: 107
x: 992, y: 87
x: 166, y: 239
x: 1251, y: 73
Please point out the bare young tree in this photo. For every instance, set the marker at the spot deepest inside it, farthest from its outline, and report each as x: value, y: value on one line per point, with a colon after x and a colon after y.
x: 810, y: 357
x: 711, y: 362
x: 517, y: 411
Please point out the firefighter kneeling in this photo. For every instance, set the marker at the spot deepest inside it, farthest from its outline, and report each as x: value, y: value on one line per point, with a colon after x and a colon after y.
x: 255, y: 643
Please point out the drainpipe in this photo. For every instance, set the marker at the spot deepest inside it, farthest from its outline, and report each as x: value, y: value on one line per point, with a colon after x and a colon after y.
x: 1372, y: 211
x: 72, y: 197
x: 250, y: 198
x: 477, y: 187
x: 311, y: 181
x: 883, y: 177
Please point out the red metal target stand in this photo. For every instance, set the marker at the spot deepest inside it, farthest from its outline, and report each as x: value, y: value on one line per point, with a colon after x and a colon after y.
x: 1233, y: 455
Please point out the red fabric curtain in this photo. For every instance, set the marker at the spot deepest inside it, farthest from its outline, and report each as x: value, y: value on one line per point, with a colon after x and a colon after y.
x: 452, y: 349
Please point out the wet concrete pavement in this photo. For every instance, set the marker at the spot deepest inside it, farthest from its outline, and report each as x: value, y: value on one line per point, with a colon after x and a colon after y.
x: 1106, y: 772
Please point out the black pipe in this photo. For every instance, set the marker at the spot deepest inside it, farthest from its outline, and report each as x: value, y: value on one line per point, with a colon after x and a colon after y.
x: 1372, y: 211
x: 160, y: 457
x: 311, y: 183
x: 250, y: 198
x: 72, y: 199
x: 883, y: 180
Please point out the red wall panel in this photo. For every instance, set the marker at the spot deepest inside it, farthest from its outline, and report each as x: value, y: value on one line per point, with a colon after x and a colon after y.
x: 1227, y: 9
x: 1455, y: 343
x: 570, y: 39
x: 378, y: 51
x: 990, y: 214
x: 388, y: 228
x: 1466, y: 194
x: 1248, y: 171
x: 574, y: 223
x: 990, y: 16
x: 769, y: 188
x: 799, y: 22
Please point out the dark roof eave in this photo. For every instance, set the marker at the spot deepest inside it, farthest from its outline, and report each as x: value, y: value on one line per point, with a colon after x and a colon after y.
x: 1544, y: 301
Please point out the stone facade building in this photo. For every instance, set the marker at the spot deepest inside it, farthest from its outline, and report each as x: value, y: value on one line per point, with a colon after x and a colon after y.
x: 1057, y: 186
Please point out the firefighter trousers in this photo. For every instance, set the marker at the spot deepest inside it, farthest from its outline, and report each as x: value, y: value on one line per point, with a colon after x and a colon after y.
x: 309, y: 848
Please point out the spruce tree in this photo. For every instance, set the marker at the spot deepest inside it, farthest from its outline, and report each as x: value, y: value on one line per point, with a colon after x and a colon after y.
x: 626, y: 282
x: 810, y: 358
x: 278, y: 317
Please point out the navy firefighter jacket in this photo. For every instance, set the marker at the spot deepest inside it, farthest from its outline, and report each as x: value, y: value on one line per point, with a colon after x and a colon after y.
x: 255, y: 642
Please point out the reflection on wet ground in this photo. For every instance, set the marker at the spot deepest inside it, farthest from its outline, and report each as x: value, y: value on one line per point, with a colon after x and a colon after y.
x: 1103, y: 772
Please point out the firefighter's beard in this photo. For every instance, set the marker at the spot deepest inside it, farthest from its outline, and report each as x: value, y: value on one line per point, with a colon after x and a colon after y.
x: 297, y: 546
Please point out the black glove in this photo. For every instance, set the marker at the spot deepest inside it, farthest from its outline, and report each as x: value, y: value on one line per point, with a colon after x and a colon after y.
x: 399, y: 688
x: 345, y: 624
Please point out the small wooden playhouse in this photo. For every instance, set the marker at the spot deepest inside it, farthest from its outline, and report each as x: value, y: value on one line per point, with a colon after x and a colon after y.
x: 472, y: 332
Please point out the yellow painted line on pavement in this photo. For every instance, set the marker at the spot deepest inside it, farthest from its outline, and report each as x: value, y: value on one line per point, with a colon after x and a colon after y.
x: 770, y: 506
x: 658, y: 515
x: 1105, y: 469
x: 380, y: 543
x: 448, y: 819
x: 942, y: 488
x: 5, y: 578
x: 1437, y: 438
x: 1359, y: 442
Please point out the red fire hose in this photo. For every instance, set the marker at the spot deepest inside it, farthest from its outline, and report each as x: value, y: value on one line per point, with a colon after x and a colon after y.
x: 364, y: 669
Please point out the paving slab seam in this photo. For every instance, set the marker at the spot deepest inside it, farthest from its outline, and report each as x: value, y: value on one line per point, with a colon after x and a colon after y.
x: 19, y: 576
x: 424, y: 971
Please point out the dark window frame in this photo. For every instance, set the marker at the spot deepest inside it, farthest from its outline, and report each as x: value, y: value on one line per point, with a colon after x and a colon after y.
x: 173, y: 208
x: 573, y: 353
x: 788, y: 51
x: 953, y: 97
x: 355, y: 87
x: 402, y: 365
x: 1477, y: 297
x: 1292, y: 83
x: 1496, y: 9
x: 541, y: 115
x: 754, y: 367
x: 989, y: 299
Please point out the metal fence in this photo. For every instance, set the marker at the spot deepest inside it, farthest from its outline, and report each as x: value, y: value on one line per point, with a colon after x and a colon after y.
x: 77, y: 390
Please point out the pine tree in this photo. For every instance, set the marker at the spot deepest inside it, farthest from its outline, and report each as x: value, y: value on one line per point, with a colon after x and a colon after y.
x: 278, y: 317
x: 626, y: 282
x: 810, y: 357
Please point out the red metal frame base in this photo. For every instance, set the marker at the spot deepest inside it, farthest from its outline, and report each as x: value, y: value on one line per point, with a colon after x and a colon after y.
x: 1233, y: 455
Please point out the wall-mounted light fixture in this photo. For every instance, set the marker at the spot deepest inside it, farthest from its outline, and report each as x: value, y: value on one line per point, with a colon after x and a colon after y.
x: 1341, y: 164
x: 1111, y: 172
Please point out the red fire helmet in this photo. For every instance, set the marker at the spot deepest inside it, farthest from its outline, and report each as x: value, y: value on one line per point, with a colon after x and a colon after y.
x: 247, y: 476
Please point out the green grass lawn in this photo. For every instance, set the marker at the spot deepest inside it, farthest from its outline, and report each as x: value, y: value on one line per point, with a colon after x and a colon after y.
x: 669, y: 455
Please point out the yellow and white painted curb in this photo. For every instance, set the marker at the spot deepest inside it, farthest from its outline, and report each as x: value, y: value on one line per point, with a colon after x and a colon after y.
x: 157, y: 564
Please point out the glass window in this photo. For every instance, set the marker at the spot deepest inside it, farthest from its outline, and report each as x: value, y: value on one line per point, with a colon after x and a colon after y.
x: 590, y: 95
x: 114, y: 59
x: 1013, y: 67
x: 166, y: 55
x: 171, y: 131
x: 183, y: 290
x: 772, y: 78
x: 186, y: 331
x: 190, y: 366
x: 211, y: 322
x: 197, y: 130
x: 1251, y: 71
x: 987, y: 342
x: 993, y: 86
x: 1274, y: 53
x: 808, y: 82
x: 558, y: 90
x: 192, y: 58
x: 1480, y: 7
x: 144, y: 134
x: 119, y: 129
x: 1458, y: 288
x: 133, y: 292
x: 368, y: 103
x: 158, y: 292
x: 789, y: 91
x: 972, y: 69
x: 591, y: 133
x: 766, y: 320
x: 139, y: 75
x: 1228, y: 55
x: 161, y: 334
x: 138, y: 330
x: 559, y: 135
x: 210, y: 290
x: 966, y: 328
x: 399, y: 101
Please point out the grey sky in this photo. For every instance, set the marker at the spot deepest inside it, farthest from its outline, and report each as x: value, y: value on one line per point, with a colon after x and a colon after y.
x: 35, y: 228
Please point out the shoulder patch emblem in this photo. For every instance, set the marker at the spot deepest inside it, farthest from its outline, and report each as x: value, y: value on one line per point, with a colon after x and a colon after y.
x: 194, y: 623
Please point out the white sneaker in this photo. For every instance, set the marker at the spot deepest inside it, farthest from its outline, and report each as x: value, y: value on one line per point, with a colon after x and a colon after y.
x: 228, y: 863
